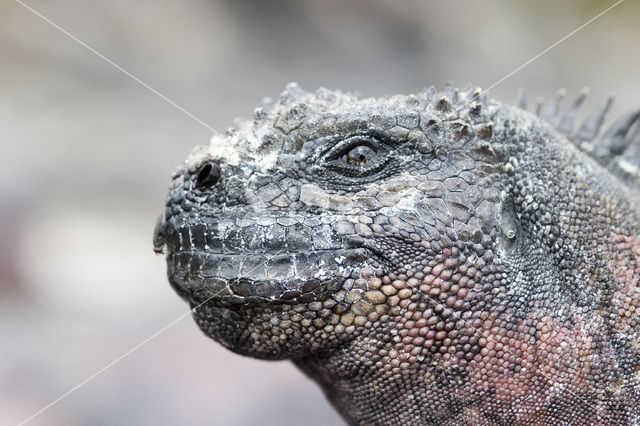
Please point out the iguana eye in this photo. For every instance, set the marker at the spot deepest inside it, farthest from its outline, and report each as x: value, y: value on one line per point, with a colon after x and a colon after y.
x: 359, y: 155
x: 357, y: 158
x: 355, y: 151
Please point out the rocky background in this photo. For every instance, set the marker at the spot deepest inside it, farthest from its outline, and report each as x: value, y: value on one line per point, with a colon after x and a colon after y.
x: 86, y: 154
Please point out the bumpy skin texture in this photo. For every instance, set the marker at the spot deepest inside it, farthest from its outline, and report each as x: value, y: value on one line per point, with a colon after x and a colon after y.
x: 436, y: 259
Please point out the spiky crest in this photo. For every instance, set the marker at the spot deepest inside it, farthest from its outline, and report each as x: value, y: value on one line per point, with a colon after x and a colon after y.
x: 617, y: 148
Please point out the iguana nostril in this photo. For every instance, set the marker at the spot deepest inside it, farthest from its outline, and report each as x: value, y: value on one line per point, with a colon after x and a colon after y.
x: 208, y: 175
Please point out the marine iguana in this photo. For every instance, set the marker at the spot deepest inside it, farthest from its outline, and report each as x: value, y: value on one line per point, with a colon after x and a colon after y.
x: 437, y: 259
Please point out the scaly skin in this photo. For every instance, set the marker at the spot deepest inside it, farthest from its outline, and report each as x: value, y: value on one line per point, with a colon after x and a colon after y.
x: 435, y: 259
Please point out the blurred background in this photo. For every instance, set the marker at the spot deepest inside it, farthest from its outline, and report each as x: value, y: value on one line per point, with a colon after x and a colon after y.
x: 86, y: 155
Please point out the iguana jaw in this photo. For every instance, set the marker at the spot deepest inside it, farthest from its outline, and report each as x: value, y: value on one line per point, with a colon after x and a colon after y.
x: 242, y: 278
x: 259, y: 264
x: 233, y: 282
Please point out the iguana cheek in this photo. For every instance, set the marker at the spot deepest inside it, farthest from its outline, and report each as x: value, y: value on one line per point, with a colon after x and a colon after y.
x: 314, y: 196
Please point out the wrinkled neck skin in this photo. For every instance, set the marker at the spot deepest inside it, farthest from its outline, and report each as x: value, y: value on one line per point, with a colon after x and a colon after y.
x: 523, y: 329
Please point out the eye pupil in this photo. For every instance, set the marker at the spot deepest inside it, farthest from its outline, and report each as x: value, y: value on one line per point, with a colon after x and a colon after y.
x: 360, y: 155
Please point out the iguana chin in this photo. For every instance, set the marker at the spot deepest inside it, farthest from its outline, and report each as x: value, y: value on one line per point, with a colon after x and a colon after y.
x: 437, y: 259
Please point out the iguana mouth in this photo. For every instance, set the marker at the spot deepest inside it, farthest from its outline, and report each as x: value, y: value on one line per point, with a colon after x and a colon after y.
x: 259, y: 265
x: 244, y: 277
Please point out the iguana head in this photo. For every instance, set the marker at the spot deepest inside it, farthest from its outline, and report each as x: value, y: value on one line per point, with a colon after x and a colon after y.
x: 438, y: 235
x: 327, y: 212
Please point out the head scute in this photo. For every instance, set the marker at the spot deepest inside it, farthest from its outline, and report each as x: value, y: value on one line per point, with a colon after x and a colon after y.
x: 443, y: 104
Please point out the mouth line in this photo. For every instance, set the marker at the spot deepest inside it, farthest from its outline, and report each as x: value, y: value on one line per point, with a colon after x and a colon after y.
x: 243, y: 277
x: 206, y: 251
x: 264, y: 236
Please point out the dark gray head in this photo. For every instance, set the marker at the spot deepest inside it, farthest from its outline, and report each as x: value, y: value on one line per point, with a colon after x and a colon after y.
x: 320, y: 196
x: 404, y: 235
